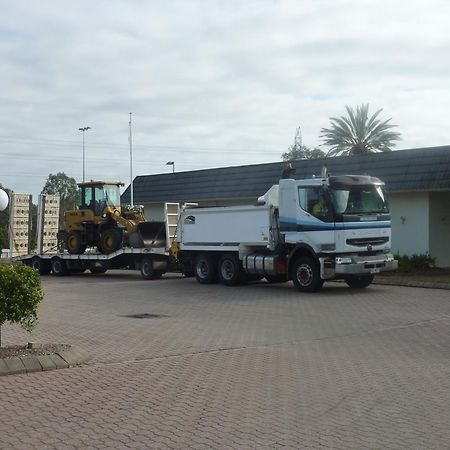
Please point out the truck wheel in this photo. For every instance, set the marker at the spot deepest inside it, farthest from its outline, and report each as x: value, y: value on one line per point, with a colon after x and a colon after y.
x: 276, y: 278
x: 230, y: 272
x: 205, y: 269
x: 306, y: 274
x: 59, y: 267
x: 74, y: 244
x: 110, y: 240
x: 359, y: 281
x: 41, y: 265
x: 147, y: 271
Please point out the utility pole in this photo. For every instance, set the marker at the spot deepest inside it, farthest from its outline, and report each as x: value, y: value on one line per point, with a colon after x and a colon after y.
x: 83, y: 130
x: 131, y: 164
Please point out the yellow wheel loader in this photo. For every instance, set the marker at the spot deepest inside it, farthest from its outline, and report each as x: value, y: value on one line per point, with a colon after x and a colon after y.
x: 100, y: 222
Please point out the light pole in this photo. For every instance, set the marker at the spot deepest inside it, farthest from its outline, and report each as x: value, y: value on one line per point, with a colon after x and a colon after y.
x: 171, y: 163
x: 83, y: 130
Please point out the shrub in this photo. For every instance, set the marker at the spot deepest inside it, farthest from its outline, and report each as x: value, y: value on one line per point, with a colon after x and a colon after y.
x: 20, y: 295
x: 414, y: 262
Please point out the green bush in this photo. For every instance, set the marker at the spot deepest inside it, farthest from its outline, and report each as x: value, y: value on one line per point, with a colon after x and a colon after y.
x: 414, y: 262
x: 20, y: 295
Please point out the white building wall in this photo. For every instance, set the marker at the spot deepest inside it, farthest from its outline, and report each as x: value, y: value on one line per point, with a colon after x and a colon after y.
x: 154, y: 212
x: 410, y: 222
x: 440, y: 228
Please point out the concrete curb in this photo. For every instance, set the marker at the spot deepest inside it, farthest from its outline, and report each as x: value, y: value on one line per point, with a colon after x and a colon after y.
x: 38, y: 363
x: 411, y: 283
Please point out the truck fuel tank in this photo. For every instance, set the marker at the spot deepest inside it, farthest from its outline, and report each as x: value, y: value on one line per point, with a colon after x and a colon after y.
x: 260, y: 264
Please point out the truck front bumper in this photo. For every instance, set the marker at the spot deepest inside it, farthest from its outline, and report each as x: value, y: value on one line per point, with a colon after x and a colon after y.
x: 358, y: 265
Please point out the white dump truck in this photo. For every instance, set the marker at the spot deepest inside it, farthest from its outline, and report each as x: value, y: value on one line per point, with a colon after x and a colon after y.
x: 307, y: 231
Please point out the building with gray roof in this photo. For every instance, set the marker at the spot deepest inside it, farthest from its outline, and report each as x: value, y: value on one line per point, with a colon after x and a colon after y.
x: 417, y: 180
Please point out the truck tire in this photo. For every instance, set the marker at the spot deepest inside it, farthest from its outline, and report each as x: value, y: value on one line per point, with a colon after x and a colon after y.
x: 359, y: 281
x: 59, y: 267
x: 147, y: 271
x: 74, y: 243
x: 205, y: 268
x: 229, y: 270
x: 42, y: 266
x: 110, y: 240
x: 306, y: 274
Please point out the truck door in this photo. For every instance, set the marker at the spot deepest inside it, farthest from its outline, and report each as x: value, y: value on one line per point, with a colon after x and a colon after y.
x: 315, y: 217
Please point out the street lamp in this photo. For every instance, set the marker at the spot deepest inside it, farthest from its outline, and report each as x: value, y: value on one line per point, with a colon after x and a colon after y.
x: 171, y: 163
x: 83, y: 130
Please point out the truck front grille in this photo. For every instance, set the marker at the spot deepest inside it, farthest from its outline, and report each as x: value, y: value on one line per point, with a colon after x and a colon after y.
x: 364, y: 242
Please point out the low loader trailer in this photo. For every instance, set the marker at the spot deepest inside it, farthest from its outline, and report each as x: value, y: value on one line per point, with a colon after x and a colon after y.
x: 152, y: 261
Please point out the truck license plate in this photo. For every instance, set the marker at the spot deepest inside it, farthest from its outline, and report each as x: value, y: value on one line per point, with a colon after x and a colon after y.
x: 374, y: 270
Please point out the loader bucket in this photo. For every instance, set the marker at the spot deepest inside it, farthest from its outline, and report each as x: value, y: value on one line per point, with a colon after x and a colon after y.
x: 149, y: 234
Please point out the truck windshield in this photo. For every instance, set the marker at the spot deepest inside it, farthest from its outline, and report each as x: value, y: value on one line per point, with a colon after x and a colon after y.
x: 370, y: 199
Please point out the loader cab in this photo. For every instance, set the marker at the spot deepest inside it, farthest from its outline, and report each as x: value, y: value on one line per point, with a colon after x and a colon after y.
x: 97, y: 195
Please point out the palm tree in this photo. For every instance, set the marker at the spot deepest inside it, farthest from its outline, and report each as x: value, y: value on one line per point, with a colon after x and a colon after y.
x: 358, y: 134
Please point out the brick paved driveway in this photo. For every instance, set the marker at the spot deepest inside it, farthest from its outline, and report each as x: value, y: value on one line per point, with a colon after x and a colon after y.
x: 257, y: 366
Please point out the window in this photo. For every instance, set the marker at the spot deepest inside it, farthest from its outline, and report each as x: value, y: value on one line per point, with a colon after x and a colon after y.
x: 360, y: 200
x: 314, y: 201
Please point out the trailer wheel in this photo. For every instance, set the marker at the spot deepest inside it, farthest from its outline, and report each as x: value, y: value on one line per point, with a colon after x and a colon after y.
x: 230, y: 272
x: 359, y: 281
x: 147, y: 271
x: 110, y: 240
x: 74, y: 243
x: 306, y: 274
x: 205, y: 268
x: 59, y: 267
x: 41, y: 265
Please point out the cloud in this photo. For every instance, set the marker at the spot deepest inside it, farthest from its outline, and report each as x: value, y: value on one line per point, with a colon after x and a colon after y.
x: 210, y: 83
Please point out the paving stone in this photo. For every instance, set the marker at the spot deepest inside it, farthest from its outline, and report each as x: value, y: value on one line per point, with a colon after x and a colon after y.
x: 255, y: 367
x: 80, y: 355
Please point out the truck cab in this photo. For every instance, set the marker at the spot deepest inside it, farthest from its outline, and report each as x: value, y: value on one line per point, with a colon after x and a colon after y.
x: 343, y: 220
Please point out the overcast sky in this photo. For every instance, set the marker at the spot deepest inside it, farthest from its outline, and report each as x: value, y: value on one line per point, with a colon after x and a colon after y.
x: 210, y: 83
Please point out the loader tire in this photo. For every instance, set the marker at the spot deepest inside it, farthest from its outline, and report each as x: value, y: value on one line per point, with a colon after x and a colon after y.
x: 74, y: 243
x: 110, y: 240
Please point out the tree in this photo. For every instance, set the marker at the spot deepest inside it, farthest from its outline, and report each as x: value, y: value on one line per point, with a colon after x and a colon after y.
x: 358, y: 134
x: 20, y: 295
x: 66, y: 187
x: 299, y: 151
